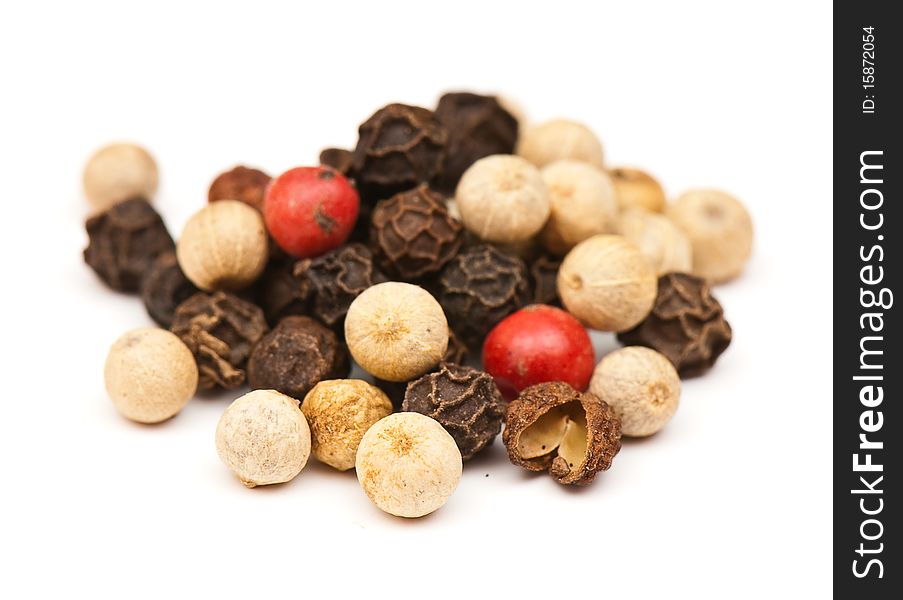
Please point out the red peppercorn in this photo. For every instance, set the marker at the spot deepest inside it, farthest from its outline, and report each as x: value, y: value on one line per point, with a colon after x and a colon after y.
x: 310, y: 210
x: 537, y: 344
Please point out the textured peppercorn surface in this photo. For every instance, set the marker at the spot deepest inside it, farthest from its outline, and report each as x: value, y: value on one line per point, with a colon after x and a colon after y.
x: 220, y: 329
x: 603, y: 431
x: 477, y: 126
x: 480, y: 287
x: 124, y: 241
x: 414, y: 235
x: 399, y: 147
x: 686, y: 324
x: 164, y: 288
x: 334, y: 280
x: 241, y: 183
x: 465, y: 401
x: 295, y: 356
x: 339, y: 159
x: 544, y: 280
x: 279, y: 294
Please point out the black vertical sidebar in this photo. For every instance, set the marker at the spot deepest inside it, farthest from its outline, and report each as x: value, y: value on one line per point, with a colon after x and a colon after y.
x: 868, y: 263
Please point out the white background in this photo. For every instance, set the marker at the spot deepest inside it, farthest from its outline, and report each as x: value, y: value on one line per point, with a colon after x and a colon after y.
x: 731, y: 500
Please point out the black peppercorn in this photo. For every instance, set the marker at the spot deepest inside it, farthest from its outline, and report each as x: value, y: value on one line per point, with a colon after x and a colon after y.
x: 339, y: 159
x: 544, y: 279
x: 686, y: 324
x: 279, y: 294
x: 164, y: 288
x: 295, y: 356
x: 399, y: 147
x: 480, y: 287
x: 123, y: 242
x: 477, y: 126
x: 335, y: 279
x: 465, y: 401
x: 220, y: 329
x: 414, y: 235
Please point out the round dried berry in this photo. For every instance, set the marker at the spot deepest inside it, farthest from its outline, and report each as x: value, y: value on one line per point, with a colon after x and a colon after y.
x: 414, y: 235
x: 164, y: 288
x: 477, y: 126
x: 464, y: 400
x: 295, y: 356
x: 399, y: 147
x: 335, y: 279
x: 220, y: 329
x: 686, y: 324
x: 337, y: 158
x: 241, y: 183
x: 123, y: 242
x: 480, y: 287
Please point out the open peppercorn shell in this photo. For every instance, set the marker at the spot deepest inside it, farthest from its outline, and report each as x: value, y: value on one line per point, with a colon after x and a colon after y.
x: 553, y: 427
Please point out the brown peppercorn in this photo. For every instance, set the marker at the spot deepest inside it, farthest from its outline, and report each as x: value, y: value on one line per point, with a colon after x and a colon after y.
x: 686, y: 325
x: 123, y: 242
x: 552, y: 426
x: 414, y: 235
x: 334, y: 280
x: 295, y: 356
x: 220, y: 329
x: 544, y: 277
x: 399, y: 147
x: 164, y: 288
x: 339, y: 159
x: 480, y: 287
x: 241, y: 183
x: 279, y: 293
x: 477, y: 126
x: 457, y: 352
x: 464, y: 400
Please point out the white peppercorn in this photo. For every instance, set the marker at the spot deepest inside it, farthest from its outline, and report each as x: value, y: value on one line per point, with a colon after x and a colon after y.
x: 408, y: 465
x: 224, y: 246
x: 560, y: 139
x: 264, y: 438
x: 666, y: 246
x: 641, y: 385
x: 150, y: 375
x: 583, y: 204
x: 118, y: 172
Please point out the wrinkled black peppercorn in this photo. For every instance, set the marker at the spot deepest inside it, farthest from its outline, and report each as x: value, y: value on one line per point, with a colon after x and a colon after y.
x: 544, y: 279
x: 164, y: 288
x: 339, y: 159
x: 220, y: 329
x: 465, y: 401
x: 399, y: 147
x: 414, y: 235
x: 686, y: 325
x: 334, y: 280
x: 477, y: 126
x: 279, y: 294
x: 480, y: 287
x: 295, y: 356
x: 123, y: 242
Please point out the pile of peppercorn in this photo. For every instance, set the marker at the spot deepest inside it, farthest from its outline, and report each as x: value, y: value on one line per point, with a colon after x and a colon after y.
x: 446, y: 240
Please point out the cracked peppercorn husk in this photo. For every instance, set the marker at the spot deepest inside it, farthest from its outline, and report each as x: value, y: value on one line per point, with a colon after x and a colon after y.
x: 164, y: 288
x: 220, y: 329
x: 413, y: 234
x: 686, y: 324
x: 553, y: 427
x: 478, y: 126
x: 544, y: 278
x: 480, y: 287
x: 241, y: 183
x: 123, y: 242
x: 295, y: 356
x: 398, y: 148
x: 465, y: 401
x: 332, y: 282
x: 339, y: 159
